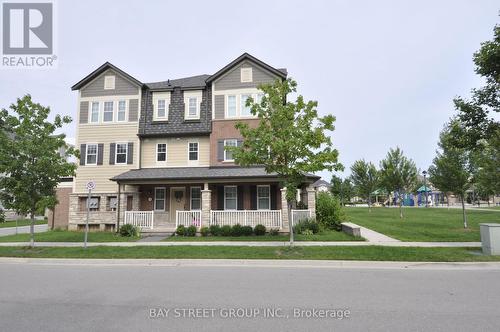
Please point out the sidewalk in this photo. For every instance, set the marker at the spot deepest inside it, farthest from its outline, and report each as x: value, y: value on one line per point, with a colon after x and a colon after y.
x: 22, y: 230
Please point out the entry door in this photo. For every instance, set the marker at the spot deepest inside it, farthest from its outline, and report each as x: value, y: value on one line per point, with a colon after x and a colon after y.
x: 177, y: 201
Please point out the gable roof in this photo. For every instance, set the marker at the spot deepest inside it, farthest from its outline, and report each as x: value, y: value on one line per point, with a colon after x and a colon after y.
x: 99, y: 71
x: 245, y: 56
x: 191, y: 82
x: 320, y: 183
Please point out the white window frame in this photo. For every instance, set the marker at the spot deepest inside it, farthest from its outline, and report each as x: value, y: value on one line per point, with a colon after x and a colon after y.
x: 239, y: 105
x: 118, y: 110
x: 164, y: 199
x: 242, y: 105
x: 225, y: 151
x: 191, y: 198
x: 225, y: 198
x: 197, y: 151
x: 198, y: 95
x: 116, y: 153
x: 87, y: 153
x: 109, y: 82
x: 157, y: 152
x: 235, y: 105
x: 157, y: 96
x: 246, y: 71
x: 112, y: 111
x: 91, y: 104
x: 269, y: 197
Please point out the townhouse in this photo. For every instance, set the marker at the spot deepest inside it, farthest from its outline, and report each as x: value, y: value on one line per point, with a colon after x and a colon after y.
x: 156, y: 151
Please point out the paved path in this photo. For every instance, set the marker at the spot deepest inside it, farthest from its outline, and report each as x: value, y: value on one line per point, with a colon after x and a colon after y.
x: 119, y: 297
x: 23, y: 229
x: 152, y: 238
x: 247, y: 244
x: 372, y: 236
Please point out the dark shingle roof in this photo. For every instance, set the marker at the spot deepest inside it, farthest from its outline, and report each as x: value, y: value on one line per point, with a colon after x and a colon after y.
x: 321, y: 182
x: 195, y: 173
x: 184, y: 83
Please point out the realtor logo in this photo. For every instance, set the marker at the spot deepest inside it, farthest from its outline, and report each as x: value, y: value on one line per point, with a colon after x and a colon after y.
x: 28, y: 29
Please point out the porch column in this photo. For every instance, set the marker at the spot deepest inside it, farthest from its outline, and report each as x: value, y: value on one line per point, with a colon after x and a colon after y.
x: 311, y: 201
x: 206, y: 204
x: 284, y: 211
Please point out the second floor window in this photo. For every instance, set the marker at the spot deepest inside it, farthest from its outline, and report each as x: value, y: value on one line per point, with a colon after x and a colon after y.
x: 121, y: 153
x: 193, y: 151
x: 94, y: 112
x: 193, y: 108
x: 91, y: 153
x: 108, y: 111
x: 245, y: 111
x: 161, y: 152
x: 228, y: 155
x: 231, y: 106
x: 161, y: 109
x: 122, y: 110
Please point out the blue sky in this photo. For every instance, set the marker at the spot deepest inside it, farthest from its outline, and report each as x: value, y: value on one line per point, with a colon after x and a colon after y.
x: 388, y: 70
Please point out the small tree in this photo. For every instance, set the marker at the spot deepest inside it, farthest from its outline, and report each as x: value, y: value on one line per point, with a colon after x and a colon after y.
x: 398, y: 174
x: 450, y: 171
x: 290, y: 139
x: 365, y: 178
x: 29, y: 158
x: 342, y: 188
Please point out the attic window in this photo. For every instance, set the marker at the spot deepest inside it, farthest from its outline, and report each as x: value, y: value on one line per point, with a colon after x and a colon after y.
x: 246, y: 75
x: 109, y: 82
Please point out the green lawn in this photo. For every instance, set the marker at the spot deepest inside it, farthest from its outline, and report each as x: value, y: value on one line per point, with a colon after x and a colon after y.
x: 67, y: 236
x: 369, y: 253
x: 23, y: 222
x: 421, y: 224
x: 323, y: 236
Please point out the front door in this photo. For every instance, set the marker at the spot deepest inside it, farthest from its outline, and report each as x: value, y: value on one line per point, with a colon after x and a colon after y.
x: 177, y: 200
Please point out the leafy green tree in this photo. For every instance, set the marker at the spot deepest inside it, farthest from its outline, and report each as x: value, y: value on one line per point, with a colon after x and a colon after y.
x: 365, y: 179
x: 487, y: 159
x: 342, y: 188
x: 29, y: 158
x: 451, y: 169
x: 398, y: 174
x: 290, y: 139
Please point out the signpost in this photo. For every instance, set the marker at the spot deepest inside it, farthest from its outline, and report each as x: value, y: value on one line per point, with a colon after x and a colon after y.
x: 90, y: 186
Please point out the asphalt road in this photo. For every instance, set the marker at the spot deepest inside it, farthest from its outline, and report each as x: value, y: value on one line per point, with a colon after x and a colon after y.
x: 48, y: 297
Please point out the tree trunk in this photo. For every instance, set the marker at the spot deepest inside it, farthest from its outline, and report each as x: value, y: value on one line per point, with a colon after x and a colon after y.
x: 463, y: 213
x: 32, y: 229
x: 369, y: 205
x: 290, y: 221
x: 400, y: 206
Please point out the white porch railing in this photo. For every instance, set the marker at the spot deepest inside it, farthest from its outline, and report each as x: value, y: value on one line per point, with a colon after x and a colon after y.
x: 269, y: 218
x: 188, y: 218
x: 298, y: 215
x: 142, y: 219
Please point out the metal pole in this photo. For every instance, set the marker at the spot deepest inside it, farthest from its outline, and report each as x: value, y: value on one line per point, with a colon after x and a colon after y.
x: 87, y: 221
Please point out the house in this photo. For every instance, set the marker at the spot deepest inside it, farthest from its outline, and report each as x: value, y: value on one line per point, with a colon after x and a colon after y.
x: 156, y: 151
x: 321, y: 186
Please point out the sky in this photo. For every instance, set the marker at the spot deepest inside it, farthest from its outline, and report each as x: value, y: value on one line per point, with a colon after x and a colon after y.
x: 387, y: 70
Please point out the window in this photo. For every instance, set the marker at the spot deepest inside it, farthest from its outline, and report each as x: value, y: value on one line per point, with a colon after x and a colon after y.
x: 161, y: 109
x: 192, y: 107
x: 231, y: 106
x: 230, y: 198
x: 122, y: 110
x: 121, y: 153
x: 112, y: 203
x: 91, y: 155
x: 258, y: 98
x: 161, y: 152
x: 193, y: 151
x: 246, y: 75
x: 94, y: 204
x: 108, y: 111
x: 245, y: 110
x: 228, y: 155
x: 160, y: 199
x: 109, y: 82
x: 263, y: 198
x: 94, y: 112
x: 195, y: 198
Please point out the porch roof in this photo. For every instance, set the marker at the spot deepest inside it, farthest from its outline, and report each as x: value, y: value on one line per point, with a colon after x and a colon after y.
x: 197, y: 173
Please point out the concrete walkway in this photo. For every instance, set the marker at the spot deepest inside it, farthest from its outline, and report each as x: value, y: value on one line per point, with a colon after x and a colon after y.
x: 250, y: 244
x: 372, y: 236
x: 22, y: 229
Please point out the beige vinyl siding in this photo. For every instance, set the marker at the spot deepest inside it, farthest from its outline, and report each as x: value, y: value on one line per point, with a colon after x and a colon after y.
x: 101, y: 174
x: 177, y: 152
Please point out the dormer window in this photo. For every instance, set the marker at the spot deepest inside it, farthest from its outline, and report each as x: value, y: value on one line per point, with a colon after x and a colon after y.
x: 161, y: 102
x: 161, y: 108
x: 192, y: 104
x: 246, y: 75
x: 109, y: 82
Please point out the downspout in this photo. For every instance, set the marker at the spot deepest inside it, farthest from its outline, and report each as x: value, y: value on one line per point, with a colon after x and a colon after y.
x: 118, y: 208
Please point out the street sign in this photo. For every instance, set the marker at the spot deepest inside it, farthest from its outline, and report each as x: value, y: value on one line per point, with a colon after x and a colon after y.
x: 90, y: 185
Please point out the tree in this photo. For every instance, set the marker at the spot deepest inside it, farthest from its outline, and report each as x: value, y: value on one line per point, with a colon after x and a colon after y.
x: 341, y: 188
x: 451, y: 170
x: 398, y: 174
x: 487, y: 160
x: 290, y: 139
x: 365, y: 178
x: 29, y: 158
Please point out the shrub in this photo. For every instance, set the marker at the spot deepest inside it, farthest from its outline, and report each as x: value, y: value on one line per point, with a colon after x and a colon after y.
x: 236, y: 230
x: 306, y: 225
x: 274, y: 232
x: 129, y: 230
x: 246, y: 230
x: 226, y: 230
x: 205, y: 231
x: 259, y: 230
x: 329, y: 213
x: 190, y: 231
x: 215, y: 230
x: 181, y: 230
